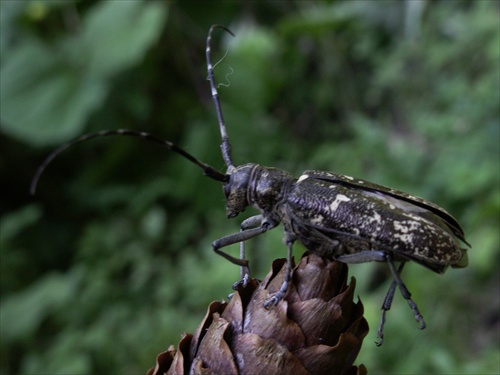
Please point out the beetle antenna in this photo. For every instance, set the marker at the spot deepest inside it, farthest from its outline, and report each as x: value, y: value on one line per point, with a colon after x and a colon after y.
x: 225, y: 145
x: 207, y: 169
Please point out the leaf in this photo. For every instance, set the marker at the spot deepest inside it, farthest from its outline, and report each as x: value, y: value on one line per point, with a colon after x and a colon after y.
x: 45, y: 100
x: 14, y: 223
x: 24, y: 312
x: 48, y: 92
x: 117, y: 33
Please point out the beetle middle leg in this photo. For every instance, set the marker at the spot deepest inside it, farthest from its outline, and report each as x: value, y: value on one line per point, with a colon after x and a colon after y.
x: 273, y: 301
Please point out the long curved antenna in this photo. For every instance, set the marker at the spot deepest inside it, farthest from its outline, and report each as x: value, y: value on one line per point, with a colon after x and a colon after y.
x: 225, y: 145
x: 207, y: 169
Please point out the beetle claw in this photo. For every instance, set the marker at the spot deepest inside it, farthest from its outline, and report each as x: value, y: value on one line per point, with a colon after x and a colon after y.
x: 273, y: 301
x: 243, y: 282
x: 420, y: 319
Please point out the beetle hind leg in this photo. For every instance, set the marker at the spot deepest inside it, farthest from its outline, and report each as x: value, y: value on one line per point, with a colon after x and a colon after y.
x: 386, y: 306
x: 390, y: 296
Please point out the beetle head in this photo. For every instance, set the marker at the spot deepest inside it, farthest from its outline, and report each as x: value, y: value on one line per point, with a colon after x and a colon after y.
x: 236, y: 189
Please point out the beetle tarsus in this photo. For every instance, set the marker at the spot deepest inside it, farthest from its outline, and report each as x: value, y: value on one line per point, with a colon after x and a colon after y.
x: 380, y: 332
x: 273, y: 301
x: 418, y: 316
x: 244, y: 280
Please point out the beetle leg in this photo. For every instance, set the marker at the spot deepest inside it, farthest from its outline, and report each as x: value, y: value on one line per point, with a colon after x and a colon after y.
x: 363, y: 257
x: 273, y: 301
x: 241, y: 237
x: 386, y: 306
x: 405, y: 292
x: 246, y: 224
x: 378, y: 256
x: 238, y: 237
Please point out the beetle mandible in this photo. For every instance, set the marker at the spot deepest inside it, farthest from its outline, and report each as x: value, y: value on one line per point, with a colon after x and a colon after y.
x: 332, y: 215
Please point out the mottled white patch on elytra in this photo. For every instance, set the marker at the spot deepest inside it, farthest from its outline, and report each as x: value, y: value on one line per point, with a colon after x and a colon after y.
x: 407, y: 226
x: 376, y: 218
x: 375, y: 229
x: 318, y: 220
x: 400, y: 227
x: 360, y: 182
x: 405, y: 238
x: 338, y: 199
x: 303, y: 177
x: 349, y: 177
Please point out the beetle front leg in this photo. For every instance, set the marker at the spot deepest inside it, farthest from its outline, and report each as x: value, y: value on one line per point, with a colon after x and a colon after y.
x: 241, y: 237
x: 251, y: 222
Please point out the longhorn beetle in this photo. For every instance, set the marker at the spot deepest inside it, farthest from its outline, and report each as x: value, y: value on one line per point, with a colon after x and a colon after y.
x: 333, y: 215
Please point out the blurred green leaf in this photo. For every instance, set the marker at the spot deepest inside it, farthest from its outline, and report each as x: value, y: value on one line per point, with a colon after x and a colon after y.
x: 23, y: 313
x: 115, y: 35
x: 14, y: 223
x: 49, y: 90
x: 45, y: 100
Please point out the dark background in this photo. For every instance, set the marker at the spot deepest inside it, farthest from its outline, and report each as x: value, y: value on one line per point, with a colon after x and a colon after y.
x: 111, y: 260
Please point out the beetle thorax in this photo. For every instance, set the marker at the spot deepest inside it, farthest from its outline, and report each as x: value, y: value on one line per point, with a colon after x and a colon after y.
x: 268, y: 187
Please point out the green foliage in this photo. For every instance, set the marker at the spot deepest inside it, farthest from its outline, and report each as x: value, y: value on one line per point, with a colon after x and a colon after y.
x: 112, y: 261
x: 59, y: 83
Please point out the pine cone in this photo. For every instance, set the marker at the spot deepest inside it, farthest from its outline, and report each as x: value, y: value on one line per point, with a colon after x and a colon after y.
x: 315, y: 329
